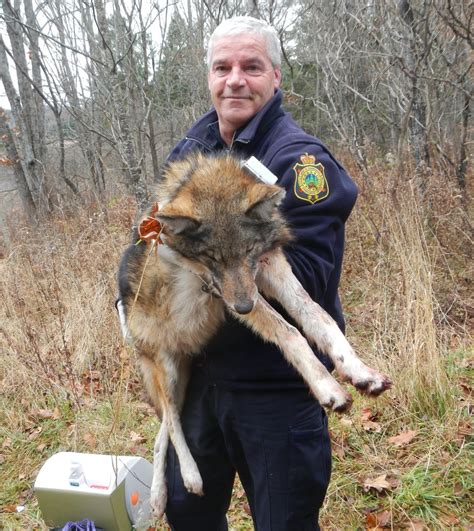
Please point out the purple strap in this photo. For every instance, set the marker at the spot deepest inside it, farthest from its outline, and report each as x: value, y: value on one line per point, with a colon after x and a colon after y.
x: 84, y: 525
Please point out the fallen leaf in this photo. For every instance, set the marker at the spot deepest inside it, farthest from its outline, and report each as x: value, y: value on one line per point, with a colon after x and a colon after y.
x: 338, y: 450
x: 403, y: 438
x: 375, y: 521
x: 35, y: 433
x: 384, y: 518
x: 91, y: 440
x: 466, y: 363
x: 45, y: 413
x: 366, y: 413
x: 379, y: 484
x: 467, y: 385
x: 138, y: 450
x: 394, y: 482
x: 372, y: 426
x: 7, y: 443
x: 415, y: 525
x: 449, y: 519
x: 371, y: 523
x: 247, y: 509
x: 464, y: 429
x: 338, y: 443
x: 136, y: 437
x: 146, y: 409
x: 368, y: 420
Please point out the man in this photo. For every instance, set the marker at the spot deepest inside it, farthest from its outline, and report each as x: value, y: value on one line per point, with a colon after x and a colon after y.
x: 246, y: 409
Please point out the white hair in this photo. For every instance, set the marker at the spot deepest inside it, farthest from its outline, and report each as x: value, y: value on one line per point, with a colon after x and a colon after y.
x: 247, y: 25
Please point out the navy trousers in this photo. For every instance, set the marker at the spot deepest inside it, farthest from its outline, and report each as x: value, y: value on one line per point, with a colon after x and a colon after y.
x: 277, y: 441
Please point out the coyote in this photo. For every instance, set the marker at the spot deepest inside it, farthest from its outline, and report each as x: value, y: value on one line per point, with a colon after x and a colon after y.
x: 222, y: 236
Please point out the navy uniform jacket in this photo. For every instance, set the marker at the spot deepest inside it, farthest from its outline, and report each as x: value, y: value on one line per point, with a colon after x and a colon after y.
x: 236, y: 357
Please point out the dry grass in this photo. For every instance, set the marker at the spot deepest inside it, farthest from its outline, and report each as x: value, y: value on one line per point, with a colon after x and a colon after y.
x: 68, y: 383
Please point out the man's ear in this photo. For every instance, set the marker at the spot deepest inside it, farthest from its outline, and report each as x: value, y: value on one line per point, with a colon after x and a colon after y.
x: 265, y: 200
x: 177, y: 224
x: 277, y: 80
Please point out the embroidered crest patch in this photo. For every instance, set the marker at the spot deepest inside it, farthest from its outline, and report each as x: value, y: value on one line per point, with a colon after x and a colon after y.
x: 310, y: 180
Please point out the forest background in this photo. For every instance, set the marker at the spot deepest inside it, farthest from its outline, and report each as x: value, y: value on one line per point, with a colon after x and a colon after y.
x: 97, y: 92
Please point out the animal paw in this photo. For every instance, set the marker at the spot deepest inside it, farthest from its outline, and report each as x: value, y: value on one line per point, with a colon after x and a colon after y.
x: 366, y: 380
x: 193, y: 482
x: 158, y: 499
x: 333, y: 397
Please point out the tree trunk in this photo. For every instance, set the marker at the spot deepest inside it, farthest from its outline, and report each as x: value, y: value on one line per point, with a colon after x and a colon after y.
x: 463, y: 155
x: 20, y: 179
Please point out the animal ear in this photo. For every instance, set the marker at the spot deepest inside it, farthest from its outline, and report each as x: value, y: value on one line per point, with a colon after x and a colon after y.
x: 265, y: 201
x: 177, y: 224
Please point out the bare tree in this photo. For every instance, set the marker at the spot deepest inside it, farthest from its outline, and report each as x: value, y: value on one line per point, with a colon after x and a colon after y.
x: 27, y: 108
x: 123, y: 82
x: 393, y: 75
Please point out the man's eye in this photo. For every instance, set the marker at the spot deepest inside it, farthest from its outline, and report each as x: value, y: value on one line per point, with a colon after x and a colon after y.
x: 220, y: 69
x: 253, y: 68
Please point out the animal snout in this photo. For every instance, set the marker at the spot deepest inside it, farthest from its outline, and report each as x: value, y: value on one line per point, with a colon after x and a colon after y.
x: 243, y: 307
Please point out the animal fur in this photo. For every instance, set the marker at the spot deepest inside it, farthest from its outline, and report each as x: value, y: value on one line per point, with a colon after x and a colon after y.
x: 222, y: 247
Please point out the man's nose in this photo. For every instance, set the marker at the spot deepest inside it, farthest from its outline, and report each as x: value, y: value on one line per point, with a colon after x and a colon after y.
x: 236, y: 78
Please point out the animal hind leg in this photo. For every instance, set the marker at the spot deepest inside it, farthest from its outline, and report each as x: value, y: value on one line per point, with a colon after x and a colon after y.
x: 277, y: 280
x: 158, y: 496
x: 158, y: 492
x: 166, y: 382
x: 271, y: 326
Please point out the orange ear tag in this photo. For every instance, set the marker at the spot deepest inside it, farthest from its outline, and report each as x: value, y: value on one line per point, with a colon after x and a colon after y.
x: 150, y: 228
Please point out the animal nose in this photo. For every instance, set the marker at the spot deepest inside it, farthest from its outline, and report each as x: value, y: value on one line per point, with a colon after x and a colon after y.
x: 243, y: 307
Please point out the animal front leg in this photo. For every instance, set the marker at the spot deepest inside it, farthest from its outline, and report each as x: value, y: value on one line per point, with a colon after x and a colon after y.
x: 271, y: 326
x: 276, y: 279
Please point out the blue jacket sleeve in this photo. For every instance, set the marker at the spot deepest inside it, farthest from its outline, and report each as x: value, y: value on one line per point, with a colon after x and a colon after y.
x: 319, y: 198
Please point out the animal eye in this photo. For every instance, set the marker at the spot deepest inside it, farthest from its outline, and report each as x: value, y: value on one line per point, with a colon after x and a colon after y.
x: 210, y: 254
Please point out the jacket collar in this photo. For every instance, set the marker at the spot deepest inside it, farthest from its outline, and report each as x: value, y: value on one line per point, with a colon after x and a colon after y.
x: 206, y: 129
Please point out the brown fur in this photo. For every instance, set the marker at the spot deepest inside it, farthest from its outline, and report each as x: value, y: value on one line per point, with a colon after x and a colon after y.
x: 222, y: 234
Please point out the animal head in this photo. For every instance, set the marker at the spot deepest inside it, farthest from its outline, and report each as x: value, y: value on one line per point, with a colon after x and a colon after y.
x: 219, y: 217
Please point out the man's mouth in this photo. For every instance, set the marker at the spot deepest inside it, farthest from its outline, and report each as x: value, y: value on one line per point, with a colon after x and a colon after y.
x: 233, y: 97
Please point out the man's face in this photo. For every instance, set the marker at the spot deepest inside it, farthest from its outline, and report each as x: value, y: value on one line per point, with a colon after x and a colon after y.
x: 241, y: 79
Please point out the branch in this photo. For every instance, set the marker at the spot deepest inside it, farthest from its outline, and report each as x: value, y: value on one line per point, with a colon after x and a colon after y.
x: 53, y: 39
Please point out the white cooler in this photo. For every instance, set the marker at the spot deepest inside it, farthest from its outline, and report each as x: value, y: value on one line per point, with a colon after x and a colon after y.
x: 112, y: 491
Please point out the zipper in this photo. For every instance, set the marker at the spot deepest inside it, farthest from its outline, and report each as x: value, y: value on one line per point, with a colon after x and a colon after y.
x: 200, y: 142
x: 234, y: 141
x: 231, y: 147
